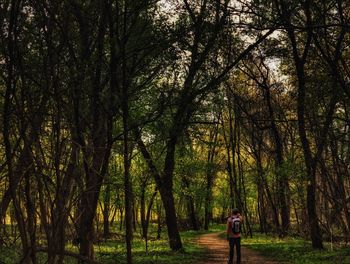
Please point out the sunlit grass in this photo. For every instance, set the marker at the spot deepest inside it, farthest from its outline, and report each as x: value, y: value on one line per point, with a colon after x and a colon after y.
x: 296, y: 250
x: 158, y: 251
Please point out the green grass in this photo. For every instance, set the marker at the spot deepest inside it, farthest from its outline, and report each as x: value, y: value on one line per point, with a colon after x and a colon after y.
x: 113, y: 251
x: 296, y: 250
x: 291, y: 250
x: 158, y: 251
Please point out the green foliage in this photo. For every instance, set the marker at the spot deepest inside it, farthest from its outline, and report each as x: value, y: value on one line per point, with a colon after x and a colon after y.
x: 8, y: 255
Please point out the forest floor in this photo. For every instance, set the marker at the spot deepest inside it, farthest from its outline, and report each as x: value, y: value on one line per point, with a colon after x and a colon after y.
x: 217, y: 251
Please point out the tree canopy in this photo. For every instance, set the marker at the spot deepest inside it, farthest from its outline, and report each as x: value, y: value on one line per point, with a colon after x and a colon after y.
x: 169, y: 113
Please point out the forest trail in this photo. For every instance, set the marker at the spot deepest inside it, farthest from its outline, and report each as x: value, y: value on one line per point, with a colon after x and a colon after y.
x: 217, y: 251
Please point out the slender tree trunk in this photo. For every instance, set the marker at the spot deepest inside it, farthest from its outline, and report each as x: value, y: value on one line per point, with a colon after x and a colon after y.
x: 143, y: 210
x: 191, y: 211
x: 159, y: 221
x: 267, y: 190
x: 208, y: 199
x: 125, y: 109
x: 315, y: 230
x: 210, y: 173
x: 149, y: 210
x: 234, y: 143
x: 229, y: 166
x: 261, y: 207
x: 106, y: 211
x: 31, y: 219
x: 127, y: 189
x: 299, y: 61
x: 145, y: 216
x: 241, y: 184
x: 282, y: 180
x: 121, y: 219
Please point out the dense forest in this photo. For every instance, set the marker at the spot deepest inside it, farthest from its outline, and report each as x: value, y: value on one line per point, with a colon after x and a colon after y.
x: 169, y: 113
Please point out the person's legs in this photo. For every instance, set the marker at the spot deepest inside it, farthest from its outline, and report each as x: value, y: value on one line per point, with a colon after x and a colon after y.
x: 238, y: 249
x: 231, y: 241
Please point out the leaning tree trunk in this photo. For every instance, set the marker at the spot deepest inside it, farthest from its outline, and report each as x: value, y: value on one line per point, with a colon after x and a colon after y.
x: 166, y: 193
x: 165, y: 186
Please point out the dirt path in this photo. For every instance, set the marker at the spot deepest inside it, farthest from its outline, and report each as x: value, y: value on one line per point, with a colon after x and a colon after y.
x: 217, y: 250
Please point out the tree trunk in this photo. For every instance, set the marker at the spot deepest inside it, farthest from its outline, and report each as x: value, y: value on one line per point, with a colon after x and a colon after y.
x: 229, y: 166
x: 89, y: 197
x: 166, y: 193
x: 88, y: 207
x: 106, y: 211
x: 208, y: 200
x: 143, y: 211
x: 315, y: 230
x: 191, y: 211
x: 145, y: 216
x: 282, y: 180
x: 159, y: 221
x: 210, y: 173
x: 261, y: 208
x: 264, y: 184
x: 128, y: 197
x: 165, y: 185
x: 149, y: 209
x: 299, y: 61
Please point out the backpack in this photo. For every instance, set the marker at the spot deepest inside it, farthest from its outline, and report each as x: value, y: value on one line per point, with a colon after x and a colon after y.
x: 236, y: 225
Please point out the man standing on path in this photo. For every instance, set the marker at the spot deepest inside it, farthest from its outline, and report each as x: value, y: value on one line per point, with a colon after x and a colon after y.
x: 233, y: 231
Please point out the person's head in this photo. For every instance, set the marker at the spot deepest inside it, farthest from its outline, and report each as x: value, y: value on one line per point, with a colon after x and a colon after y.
x: 235, y: 211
